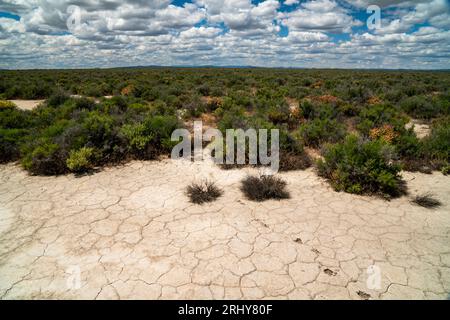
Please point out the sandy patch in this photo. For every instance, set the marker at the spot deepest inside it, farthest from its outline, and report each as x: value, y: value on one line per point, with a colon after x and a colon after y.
x: 27, y: 104
x: 130, y: 232
x: 421, y: 129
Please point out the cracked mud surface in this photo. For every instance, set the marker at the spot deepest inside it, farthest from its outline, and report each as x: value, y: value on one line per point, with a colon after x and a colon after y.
x: 133, y: 234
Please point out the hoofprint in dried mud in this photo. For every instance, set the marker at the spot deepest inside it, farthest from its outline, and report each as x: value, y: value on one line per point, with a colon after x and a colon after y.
x: 130, y: 232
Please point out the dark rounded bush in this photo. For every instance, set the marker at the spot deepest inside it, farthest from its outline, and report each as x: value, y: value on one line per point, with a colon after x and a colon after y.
x: 46, y: 159
x: 57, y: 99
x: 205, y: 191
x: 264, y: 188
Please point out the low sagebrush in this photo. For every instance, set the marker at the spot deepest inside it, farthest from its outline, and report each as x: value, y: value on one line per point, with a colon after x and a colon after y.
x: 427, y: 201
x: 264, y: 187
x: 292, y: 161
x: 205, y: 191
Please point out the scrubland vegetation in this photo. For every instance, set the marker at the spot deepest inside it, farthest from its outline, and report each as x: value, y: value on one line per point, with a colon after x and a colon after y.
x: 355, y: 120
x: 204, y: 191
x: 264, y: 188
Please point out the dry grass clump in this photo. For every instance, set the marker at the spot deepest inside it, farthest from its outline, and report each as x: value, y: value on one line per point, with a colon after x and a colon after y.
x: 264, y: 187
x: 427, y: 201
x: 202, y: 192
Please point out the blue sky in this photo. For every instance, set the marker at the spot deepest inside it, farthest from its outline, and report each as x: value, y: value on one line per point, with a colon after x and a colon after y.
x: 412, y: 34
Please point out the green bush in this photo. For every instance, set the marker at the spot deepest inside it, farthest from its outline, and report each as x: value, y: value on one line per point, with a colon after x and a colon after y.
x: 81, y: 160
x: 318, y: 131
x: 437, y: 145
x: 13, y: 118
x: 362, y: 167
x: 45, y: 158
x: 99, y: 128
x: 138, y: 140
x: 10, y: 140
x: 314, y: 110
x: 84, y: 103
x: 378, y: 115
x: 279, y: 114
x: 445, y: 169
x: 57, y: 99
x: 7, y: 105
x: 161, y: 128
x: 407, y: 145
x: 422, y: 107
x: 151, y: 137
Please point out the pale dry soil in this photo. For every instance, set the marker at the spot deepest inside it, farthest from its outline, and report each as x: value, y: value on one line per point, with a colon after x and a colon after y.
x: 132, y: 233
x: 27, y: 104
x: 421, y: 129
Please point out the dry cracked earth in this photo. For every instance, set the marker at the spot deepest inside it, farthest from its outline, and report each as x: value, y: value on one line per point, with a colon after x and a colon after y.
x: 129, y: 232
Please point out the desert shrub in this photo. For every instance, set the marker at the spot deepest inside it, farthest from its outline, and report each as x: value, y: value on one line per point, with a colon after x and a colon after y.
x: 445, y: 169
x: 57, y: 98
x: 10, y: 140
x: 13, y: 118
x: 349, y: 109
x: 357, y: 93
x: 45, y: 158
x: 315, y: 110
x: 264, y: 187
x: 385, y: 132
x: 426, y: 200
x: 138, y: 140
x: 151, y: 137
x: 99, y: 128
x: 119, y: 103
x: 93, y: 91
x: 422, y: 107
x: 377, y: 116
x: 318, y: 131
x: 81, y: 160
x: 6, y: 105
x: 394, y: 95
x: 84, y: 103
x: 161, y: 108
x: 362, y: 167
x: 205, y: 191
x: 161, y: 128
x: 408, y: 148
x: 408, y: 144
x: 294, y: 161
x: 233, y: 119
x: 279, y: 114
x: 436, y: 146
x: 204, y: 90
x: 213, y: 104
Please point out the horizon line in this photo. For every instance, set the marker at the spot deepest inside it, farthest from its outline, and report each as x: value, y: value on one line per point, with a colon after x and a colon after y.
x: 219, y: 67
